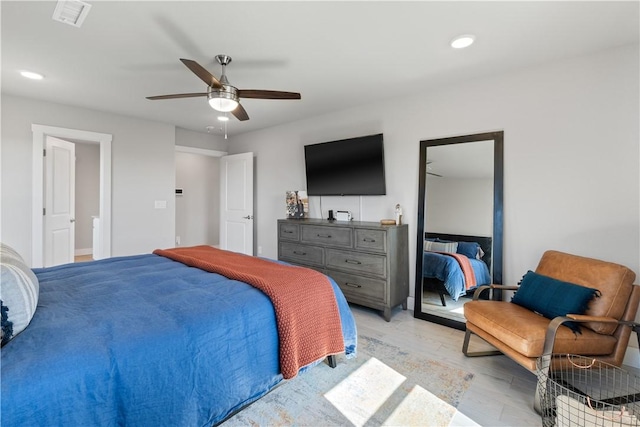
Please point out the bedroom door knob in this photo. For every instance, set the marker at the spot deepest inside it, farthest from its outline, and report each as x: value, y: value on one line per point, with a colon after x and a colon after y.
x: 248, y: 217
x: 72, y: 220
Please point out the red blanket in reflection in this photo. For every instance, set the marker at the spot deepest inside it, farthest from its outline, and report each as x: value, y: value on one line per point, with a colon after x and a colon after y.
x: 465, y: 266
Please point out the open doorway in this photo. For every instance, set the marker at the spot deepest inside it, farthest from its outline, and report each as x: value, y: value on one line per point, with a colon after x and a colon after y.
x: 87, y: 208
x: 197, y: 196
x: 40, y: 134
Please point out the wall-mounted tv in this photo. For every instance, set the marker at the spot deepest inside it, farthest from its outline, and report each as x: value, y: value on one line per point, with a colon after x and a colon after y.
x: 348, y: 167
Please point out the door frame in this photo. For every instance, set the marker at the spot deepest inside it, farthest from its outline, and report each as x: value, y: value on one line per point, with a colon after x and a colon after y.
x: 40, y: 132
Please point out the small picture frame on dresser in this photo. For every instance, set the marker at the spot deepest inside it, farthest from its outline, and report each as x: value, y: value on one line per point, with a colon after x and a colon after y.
x: 297, y: 203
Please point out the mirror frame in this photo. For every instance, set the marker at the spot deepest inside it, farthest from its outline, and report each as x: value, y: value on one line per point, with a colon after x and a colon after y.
x: 498, y: 181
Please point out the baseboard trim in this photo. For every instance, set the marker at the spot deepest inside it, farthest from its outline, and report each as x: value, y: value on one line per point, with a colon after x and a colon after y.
x: 86, y: 251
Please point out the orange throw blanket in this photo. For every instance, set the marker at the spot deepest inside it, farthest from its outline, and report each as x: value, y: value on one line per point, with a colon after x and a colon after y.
x: 465, y: 266
x: 307, y: 313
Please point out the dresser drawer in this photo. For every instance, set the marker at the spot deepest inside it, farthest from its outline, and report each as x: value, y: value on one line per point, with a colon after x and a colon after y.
x: 329, y: 236
x: 369, y: 264
x: 302, y: 254
x: 360, y: 289
x: 371, y: 240
x: 289, y: 231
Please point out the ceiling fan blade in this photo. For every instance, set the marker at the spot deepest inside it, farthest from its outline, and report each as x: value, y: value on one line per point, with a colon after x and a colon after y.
x: 201, y: 72
x: 267, y: 94
x: 240, y: 113
x: 177, y: 95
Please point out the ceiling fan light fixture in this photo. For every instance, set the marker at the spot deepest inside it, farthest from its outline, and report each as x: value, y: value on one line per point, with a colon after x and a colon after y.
x: 224, y: 101
x: 463, y: 41
x: 223, y: 105
x: 223, y: 118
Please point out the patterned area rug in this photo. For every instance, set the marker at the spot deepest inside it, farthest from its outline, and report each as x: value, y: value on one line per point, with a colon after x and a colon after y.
x: 384, y: 385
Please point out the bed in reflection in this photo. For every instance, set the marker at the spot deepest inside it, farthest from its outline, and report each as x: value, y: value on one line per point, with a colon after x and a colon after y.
x: 455, y: 264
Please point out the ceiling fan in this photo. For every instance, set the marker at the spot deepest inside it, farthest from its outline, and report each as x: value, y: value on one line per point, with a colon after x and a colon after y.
x: 429, y: 168
x: 223, y: 96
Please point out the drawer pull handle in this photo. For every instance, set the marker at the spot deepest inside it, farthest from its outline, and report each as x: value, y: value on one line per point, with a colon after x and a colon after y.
x: 351, y: 261
x: 287, y: 231
x: 299, y: 253
x: 325, y: 236
x: 352, y: 285
x: 369, y: 240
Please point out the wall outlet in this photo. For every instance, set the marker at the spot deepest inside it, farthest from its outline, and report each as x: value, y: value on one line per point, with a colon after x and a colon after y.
x: 259, y: 250
x: 177, y: 240
x: 160, y: 204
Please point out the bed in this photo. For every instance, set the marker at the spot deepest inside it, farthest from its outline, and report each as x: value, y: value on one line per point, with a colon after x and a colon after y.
x: 446, y: 259
x: 147, y: 340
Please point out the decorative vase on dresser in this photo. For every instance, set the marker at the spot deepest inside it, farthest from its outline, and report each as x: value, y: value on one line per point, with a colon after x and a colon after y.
x: 369, y: 261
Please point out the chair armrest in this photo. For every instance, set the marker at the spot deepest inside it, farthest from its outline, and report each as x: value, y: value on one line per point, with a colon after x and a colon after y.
x: 585, y: 318
x: 483, y: 288
x: 552, y: 329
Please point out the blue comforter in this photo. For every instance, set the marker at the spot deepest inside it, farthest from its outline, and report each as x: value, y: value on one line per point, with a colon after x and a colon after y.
x: 447, y: 269
x: 143, y: 341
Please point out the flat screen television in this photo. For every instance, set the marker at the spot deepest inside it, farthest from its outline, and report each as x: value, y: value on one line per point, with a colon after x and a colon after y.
x: 348, y: 167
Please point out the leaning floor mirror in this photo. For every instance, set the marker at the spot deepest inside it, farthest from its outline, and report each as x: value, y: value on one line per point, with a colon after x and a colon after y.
x: 459, y: 237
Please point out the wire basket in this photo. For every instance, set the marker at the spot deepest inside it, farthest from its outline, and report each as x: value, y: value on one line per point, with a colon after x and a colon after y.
x: 581, y: 391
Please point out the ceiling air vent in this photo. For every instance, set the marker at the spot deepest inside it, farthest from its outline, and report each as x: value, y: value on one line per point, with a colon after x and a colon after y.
x: 72, y: 12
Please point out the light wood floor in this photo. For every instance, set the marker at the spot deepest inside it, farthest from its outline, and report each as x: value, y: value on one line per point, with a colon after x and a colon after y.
x: 83, y: 258
x: 501, y: 393
x: 432, y: 304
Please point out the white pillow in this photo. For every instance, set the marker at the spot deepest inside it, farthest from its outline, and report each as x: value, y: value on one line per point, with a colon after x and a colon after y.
x: 449, y: 247
x: 19, y: 289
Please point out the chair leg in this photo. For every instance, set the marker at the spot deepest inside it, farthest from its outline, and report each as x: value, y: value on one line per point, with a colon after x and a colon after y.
x: 466, y: 352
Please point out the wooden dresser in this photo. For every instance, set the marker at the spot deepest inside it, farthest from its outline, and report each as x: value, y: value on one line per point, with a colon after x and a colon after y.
x: 369, y: 261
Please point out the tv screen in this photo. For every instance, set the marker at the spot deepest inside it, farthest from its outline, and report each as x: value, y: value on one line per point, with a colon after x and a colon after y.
x: 348, y: 167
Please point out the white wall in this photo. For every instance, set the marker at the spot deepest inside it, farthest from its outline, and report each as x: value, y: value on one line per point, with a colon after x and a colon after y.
x: 143, y: 171
x: 198, y: 208
x: 87, y: 193
x: 205, y: 141
x: 459, y: 206
x: 571, y: 179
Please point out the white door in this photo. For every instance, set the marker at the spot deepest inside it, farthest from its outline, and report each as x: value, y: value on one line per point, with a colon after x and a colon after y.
x: 59, y: 202
x: 236, y: 203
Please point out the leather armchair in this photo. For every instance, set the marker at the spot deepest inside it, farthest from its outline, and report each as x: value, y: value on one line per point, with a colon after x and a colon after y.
x: 524, y: 335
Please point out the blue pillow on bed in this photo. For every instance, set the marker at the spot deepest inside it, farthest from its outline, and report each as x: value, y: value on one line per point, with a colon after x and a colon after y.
x: 552, y: 298
x: 469, y: 249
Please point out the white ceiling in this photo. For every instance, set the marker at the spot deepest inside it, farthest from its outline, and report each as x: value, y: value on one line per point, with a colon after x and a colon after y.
x: 336, y: 54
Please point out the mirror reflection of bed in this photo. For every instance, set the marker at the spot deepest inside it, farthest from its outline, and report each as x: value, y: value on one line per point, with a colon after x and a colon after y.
x: 446, y: 281
x: 460, y: 203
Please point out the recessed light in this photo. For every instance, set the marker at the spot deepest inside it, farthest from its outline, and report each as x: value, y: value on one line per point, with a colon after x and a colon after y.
x: 223, y: 118
x: 463, y: 41
x: 31, y: 75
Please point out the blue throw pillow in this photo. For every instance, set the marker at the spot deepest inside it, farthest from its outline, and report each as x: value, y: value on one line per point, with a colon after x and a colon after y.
x: 552, y: 298
x: 469, y: 249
